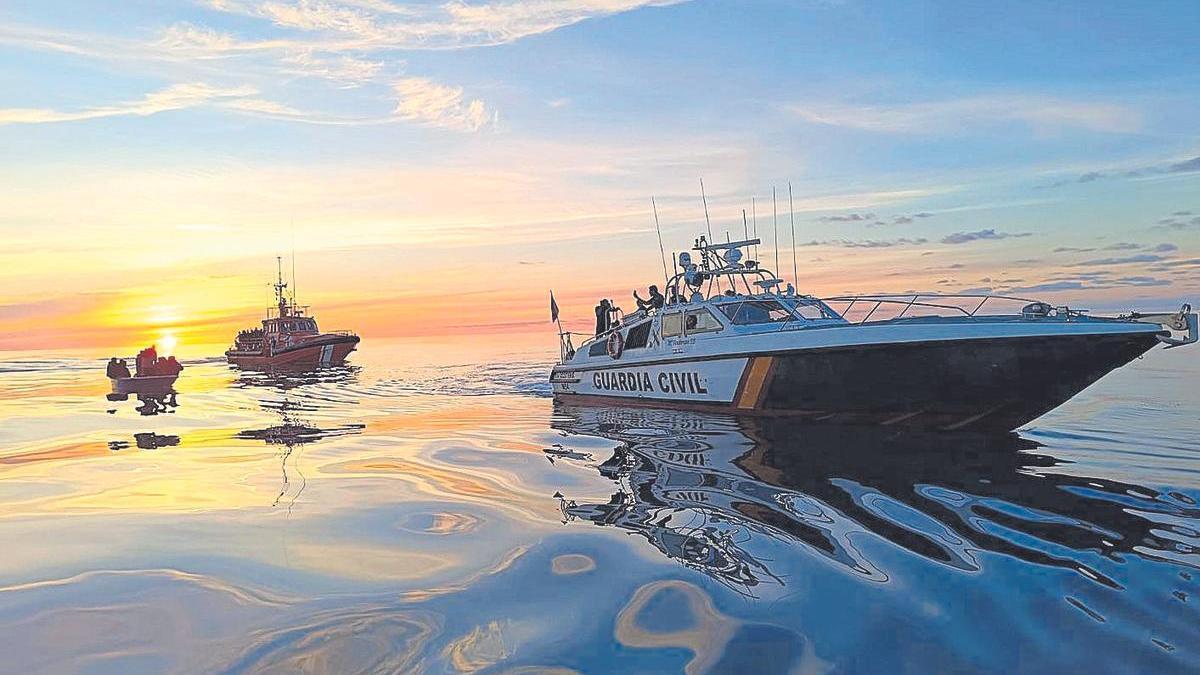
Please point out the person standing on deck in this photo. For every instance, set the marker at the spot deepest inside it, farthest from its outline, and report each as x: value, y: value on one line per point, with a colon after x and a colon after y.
x: 603, y: 316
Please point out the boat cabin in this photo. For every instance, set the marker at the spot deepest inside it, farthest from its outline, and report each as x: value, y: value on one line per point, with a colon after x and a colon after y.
x: 721, y: 297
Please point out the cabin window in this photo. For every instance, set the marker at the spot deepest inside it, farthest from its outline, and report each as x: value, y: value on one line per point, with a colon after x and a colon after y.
x: 672, y: 325
x: 598, y: 348
x: 755, y: 312
x: 701, y: 321
x: 637, y: 336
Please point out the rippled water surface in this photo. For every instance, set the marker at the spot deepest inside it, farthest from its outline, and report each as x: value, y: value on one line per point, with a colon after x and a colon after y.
x: 431, y: 510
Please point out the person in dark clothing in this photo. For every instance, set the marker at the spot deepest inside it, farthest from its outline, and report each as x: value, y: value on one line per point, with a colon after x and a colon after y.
x: 112, y: 370
x: 603, y: 314
x: 122, y: 369
x: 656, y: 300
x: 171, y: 367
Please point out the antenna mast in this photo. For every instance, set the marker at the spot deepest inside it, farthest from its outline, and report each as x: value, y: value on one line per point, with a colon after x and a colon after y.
x: 293, y: 263
x: 279, y: 286
x: 661, y: 251
x: 754, y: 218
x: 775, y: 229
x: 792, y: 218
x: 704, y: 200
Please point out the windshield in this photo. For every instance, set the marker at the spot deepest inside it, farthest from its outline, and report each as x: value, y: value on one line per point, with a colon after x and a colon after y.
x: 756, y: 311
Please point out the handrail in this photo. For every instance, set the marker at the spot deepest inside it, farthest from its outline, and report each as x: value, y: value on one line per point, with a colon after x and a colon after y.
x: 910, y: 300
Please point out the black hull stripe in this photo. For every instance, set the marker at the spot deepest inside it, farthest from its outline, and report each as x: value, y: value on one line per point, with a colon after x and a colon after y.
x: 995, y: 384
x: 565, y: 369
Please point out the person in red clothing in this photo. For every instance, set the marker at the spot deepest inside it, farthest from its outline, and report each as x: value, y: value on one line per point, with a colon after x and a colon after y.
x: 145, y: 362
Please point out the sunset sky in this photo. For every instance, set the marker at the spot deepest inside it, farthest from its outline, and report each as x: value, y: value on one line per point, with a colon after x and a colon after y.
x: 439, y: 166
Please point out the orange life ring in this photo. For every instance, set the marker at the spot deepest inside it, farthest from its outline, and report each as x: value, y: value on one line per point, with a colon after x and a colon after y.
x: 615, y: 344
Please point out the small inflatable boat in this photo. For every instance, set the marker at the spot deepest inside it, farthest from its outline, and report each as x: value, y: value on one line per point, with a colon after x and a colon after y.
x: 144, y: 384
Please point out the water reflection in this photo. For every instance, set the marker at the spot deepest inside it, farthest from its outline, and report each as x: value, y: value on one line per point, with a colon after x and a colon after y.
x: 283, y: 378
x: 716, y: 494
x: 293, y: 431
x: 149, y: 404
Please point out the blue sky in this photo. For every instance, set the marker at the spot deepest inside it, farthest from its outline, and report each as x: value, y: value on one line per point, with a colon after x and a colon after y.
x: 1043, y: 147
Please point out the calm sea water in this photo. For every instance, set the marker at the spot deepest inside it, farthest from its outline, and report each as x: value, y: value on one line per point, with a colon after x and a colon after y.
x: 432, y: 510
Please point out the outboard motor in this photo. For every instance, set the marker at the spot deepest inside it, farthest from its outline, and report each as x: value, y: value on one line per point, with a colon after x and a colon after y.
x: 1036, y: 310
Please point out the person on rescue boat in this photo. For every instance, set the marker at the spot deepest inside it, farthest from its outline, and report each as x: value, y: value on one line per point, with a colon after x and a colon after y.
x: 656, y: 300
x: 169, y: 366
x: 603, y: 316
x: 145, y: 360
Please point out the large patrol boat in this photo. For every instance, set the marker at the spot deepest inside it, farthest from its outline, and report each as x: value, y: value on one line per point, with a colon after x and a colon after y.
x: 289, y: 338
x: 731, y: 335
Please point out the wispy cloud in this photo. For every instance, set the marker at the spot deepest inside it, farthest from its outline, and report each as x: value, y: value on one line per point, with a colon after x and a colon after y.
x: 1180, y: 220
x: 966, y: 237
x: 174, y: 97
x: 411, y: 26
x: 1174, y: 167
x: 1140, y: 258
x: 1041, y: 113
x: 848, y: 218
x: 433, y: 104
x: 345, y: 70
x: 867, y: 243
x: 872, y: 220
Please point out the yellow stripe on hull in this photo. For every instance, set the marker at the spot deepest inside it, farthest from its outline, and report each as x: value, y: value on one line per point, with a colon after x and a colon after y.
x: 756, y: 379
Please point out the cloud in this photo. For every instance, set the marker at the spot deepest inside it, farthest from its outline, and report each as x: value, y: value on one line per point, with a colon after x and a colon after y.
x: 1122, y: 246
x: 433, y: 104
x: 1072, y: 249
x: 174, y: 97
x: 1140, y: 258
x: 848, y: 218
x: 1178, y: 222
x: 1165, y: 248
x: 1042, y: 113
x: 1185, y: 166
x: 1049, y: 287
x: 435, y: 25
x: 1090, y: 284
x: 873, y: 220
x: 966, y: 237
x: 347, y: 70
x: 866, y: 243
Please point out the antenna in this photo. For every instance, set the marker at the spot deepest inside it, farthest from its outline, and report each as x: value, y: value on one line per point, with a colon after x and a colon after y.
x: 293, y: 263
x: 745, y: 227
x: 661, y: 251
x: 792, y: 217
x: 279, y: 285
x: 775, y: 229
x: 754, y: 216
x: 704, y: 200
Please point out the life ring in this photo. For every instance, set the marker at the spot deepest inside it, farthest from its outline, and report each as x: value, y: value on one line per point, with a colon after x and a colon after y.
x: 615, y: 344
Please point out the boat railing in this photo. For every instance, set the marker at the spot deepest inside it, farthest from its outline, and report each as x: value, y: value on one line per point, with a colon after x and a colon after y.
x: 925, y: 304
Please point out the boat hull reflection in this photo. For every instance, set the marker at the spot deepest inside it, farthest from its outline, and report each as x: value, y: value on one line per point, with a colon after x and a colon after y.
x: 721, y: 494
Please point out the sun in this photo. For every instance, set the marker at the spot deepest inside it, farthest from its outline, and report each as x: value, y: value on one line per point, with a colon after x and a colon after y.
x: 166, y: 344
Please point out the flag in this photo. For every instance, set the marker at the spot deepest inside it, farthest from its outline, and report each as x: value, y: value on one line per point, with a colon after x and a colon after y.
x: 553, y: 308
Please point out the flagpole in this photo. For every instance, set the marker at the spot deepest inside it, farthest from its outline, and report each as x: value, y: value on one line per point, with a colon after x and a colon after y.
x: 562, y: 350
